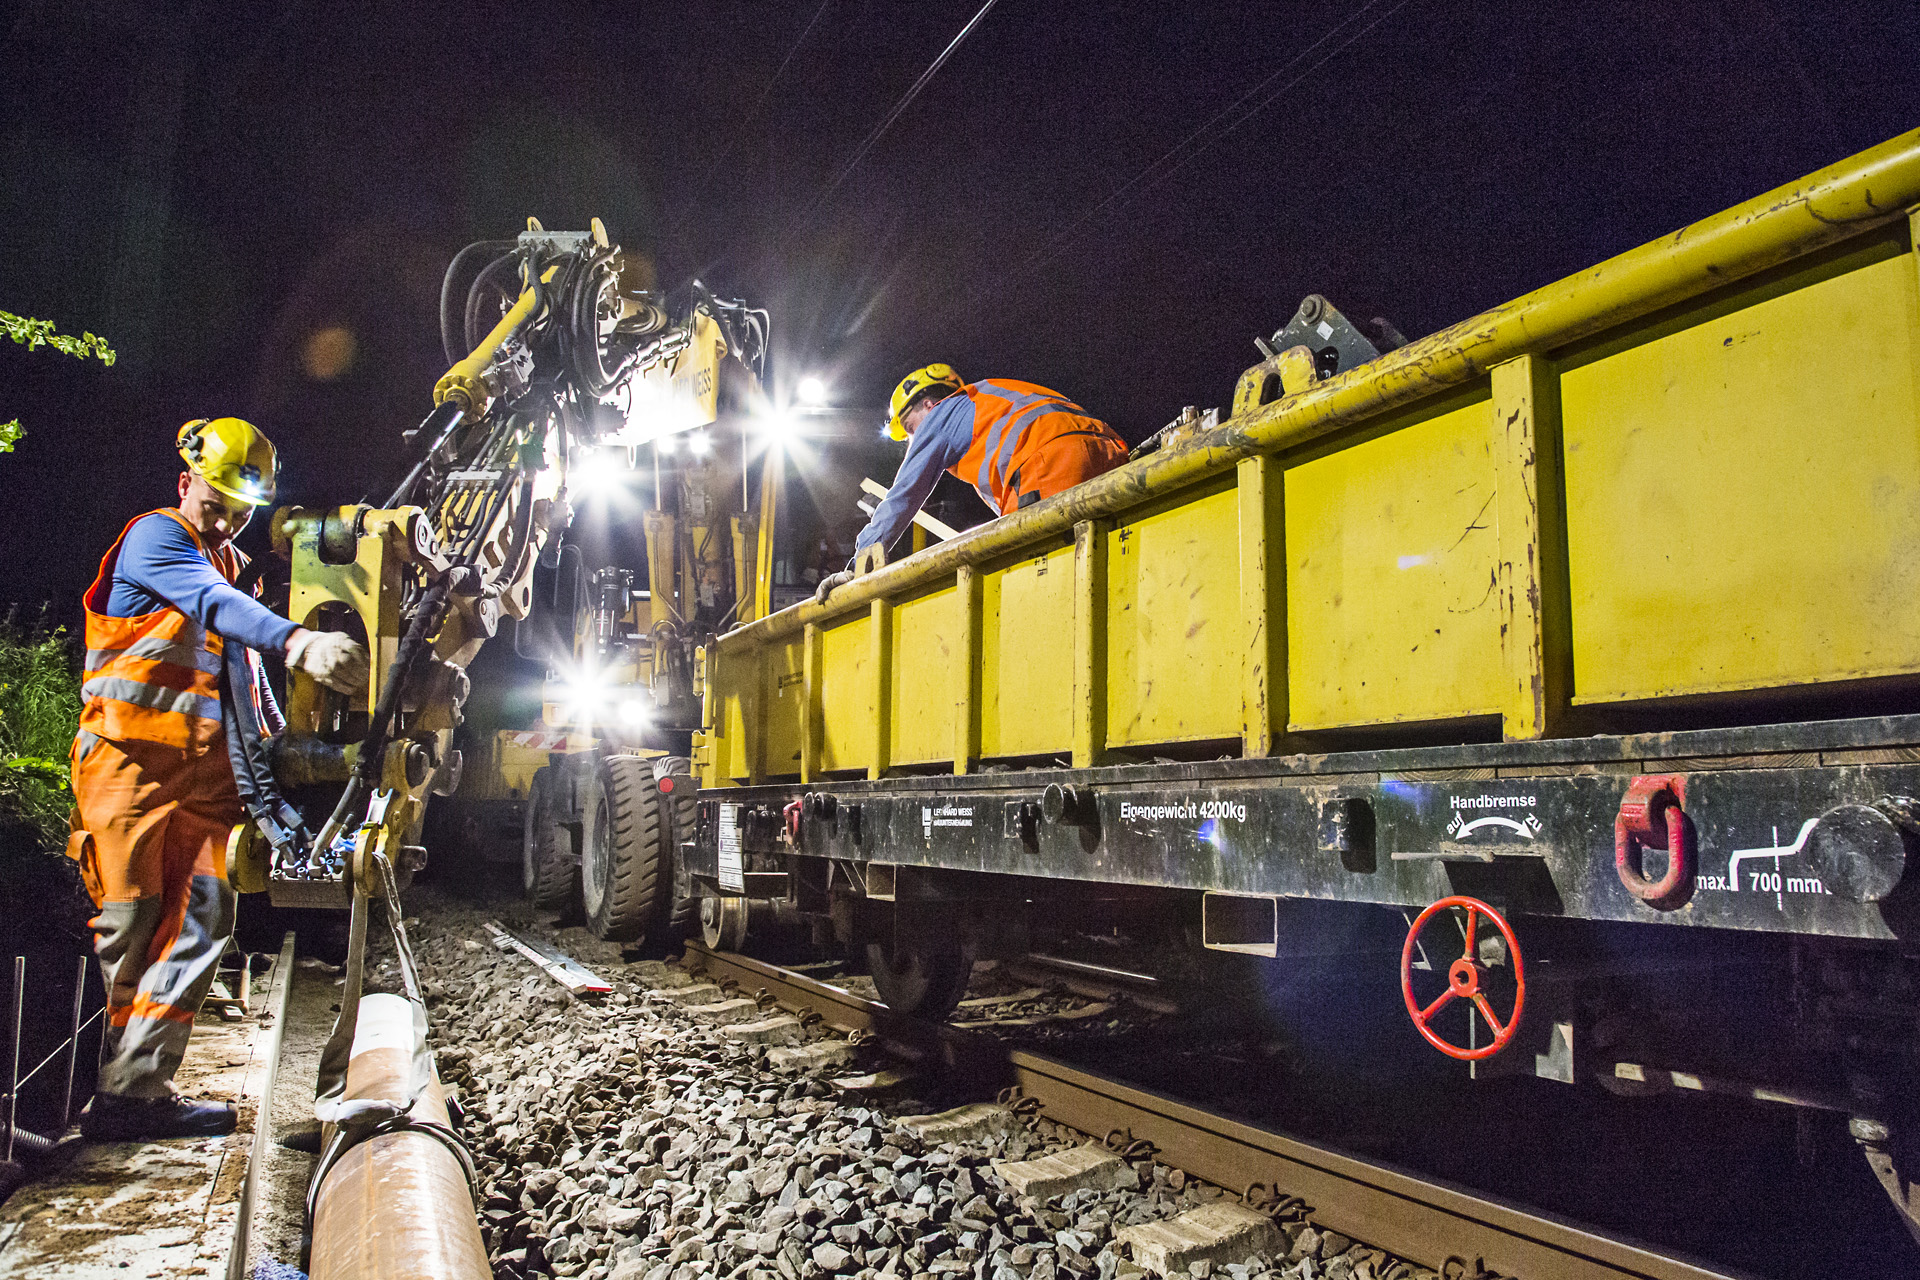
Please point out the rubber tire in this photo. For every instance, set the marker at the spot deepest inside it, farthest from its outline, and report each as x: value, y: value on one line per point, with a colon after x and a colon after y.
x: 679, y: 915
x: 622, y: 850
x: 549, y: 867
x: 926, y: 982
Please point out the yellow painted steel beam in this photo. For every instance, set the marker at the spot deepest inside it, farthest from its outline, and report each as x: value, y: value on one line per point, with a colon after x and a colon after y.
x: 746, y: 530
x: 966, y: 671
x: 771, y: 483
x: 1836, y: 203
x: 880, y: 623
x: 1532, y: 561
x: 812, y: 666
x: 1263, y: 603
x: 1089, y: 644
x: 662, y: 534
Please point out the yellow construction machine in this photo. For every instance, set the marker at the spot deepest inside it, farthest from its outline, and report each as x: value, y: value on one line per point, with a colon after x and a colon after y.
x: 573, y: 363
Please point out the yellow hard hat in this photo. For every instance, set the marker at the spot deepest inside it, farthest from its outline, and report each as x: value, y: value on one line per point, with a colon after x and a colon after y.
x: 914, y: 386
x: 232, y: 455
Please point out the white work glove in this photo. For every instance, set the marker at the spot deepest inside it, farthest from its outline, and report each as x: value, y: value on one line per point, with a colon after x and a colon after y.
x: 334, y: 658
x: 828, y: 583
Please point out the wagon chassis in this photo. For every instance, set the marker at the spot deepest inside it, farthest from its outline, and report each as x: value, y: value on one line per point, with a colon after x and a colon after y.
x: 1800, y: 831
x: 1798, y: 828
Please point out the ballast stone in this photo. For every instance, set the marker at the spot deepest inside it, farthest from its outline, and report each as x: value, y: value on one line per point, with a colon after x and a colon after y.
x: 780, y: 1029
x: 724, y: 1012
x: 1074, y: 1169
x: 815, y: 1056
x: 974, y: 1122
x: 1213, y: 1233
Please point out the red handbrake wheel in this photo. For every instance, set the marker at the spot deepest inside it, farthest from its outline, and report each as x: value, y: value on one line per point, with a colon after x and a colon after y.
x: 1464, y: 980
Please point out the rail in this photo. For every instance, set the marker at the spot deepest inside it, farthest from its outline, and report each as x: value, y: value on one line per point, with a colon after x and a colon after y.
x: 279, y: 999
x: 1423, y: 1220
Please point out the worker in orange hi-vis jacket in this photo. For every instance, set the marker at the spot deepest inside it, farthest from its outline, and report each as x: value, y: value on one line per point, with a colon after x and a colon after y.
x: 168, y: 643
x: 1014, y: 442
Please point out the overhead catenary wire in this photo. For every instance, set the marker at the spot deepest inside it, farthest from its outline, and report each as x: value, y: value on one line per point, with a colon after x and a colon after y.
x: 726, y: 152
x: 906, y: 100
x: 1187, y: 144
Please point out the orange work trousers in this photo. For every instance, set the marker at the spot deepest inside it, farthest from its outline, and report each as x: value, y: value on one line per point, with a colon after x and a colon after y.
x: 150, y: 833
x: 1065, y: 460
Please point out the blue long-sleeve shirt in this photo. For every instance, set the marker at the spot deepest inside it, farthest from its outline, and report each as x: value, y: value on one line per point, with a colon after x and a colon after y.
x: 942, y: 439
x: 159, y: 565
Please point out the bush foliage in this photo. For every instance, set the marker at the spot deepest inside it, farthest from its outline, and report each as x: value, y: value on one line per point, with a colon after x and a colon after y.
x: 32, y: 333
x: 39, y: 714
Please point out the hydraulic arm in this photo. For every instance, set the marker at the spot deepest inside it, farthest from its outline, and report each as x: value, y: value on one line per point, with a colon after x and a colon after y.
x: 561, y: 331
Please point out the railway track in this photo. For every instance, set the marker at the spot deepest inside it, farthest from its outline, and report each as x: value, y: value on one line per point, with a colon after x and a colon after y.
x: 1428, y: 1222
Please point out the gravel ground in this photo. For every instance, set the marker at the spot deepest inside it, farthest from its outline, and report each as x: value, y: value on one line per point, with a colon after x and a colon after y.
x: 626, y: 1137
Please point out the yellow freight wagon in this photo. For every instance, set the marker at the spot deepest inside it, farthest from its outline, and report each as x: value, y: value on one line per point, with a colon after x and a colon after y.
x: 1687, y: 477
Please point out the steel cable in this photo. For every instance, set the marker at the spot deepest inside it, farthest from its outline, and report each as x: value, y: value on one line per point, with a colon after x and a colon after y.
x: 906, y: 100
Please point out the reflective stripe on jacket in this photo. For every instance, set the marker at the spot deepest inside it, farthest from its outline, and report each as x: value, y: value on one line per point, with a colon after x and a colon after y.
x: 155, y: 677
x: 1014, y: 424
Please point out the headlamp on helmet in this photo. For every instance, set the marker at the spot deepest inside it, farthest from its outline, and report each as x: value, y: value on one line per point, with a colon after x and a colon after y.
x: 233, y: 456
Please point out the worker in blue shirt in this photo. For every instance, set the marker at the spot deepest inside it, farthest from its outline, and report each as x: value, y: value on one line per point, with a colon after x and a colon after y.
x: 1015, y: 442
x: 170, y: 642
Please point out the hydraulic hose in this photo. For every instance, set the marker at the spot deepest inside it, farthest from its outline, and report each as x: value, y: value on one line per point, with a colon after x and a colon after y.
x: 373, y: 749
x: 471, y: 330
x: 437, y: 427
x: 424, y: 625
x: 586, y: 330
x: 450, y: 335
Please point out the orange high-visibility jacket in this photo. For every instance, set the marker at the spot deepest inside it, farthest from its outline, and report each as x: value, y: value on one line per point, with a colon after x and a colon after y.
x: 1015, y: 425
x: 155, y: 677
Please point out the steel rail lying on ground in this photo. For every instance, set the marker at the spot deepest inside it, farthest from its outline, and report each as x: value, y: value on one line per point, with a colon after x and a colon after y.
x: 1410, y: 1216
x: 279, y: 997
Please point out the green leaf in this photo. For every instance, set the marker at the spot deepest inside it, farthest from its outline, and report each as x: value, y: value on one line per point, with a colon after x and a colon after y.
x: 47, y: 770
x: 32, y: 333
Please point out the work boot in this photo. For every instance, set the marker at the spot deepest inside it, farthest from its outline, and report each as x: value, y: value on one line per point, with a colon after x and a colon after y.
x: 114, y: 1118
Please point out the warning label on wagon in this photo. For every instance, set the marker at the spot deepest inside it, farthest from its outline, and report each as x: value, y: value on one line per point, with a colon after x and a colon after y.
x: 732, y: 871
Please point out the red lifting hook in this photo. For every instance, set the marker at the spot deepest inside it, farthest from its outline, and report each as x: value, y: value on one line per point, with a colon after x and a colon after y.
x: 1652, y: 816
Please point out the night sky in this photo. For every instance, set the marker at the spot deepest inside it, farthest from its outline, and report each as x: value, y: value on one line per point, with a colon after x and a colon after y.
x: 1108, y: 199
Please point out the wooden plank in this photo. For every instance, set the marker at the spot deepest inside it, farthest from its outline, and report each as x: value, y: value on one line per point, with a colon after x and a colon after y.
x: 922, y: 522
x: 1476, y: 774
x: 966, y: 673
x: 1872, y: 755
x: 1772, y: 760
x: 1532, y: 579
x: 1089, y: 644
x: 1628, y: 767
